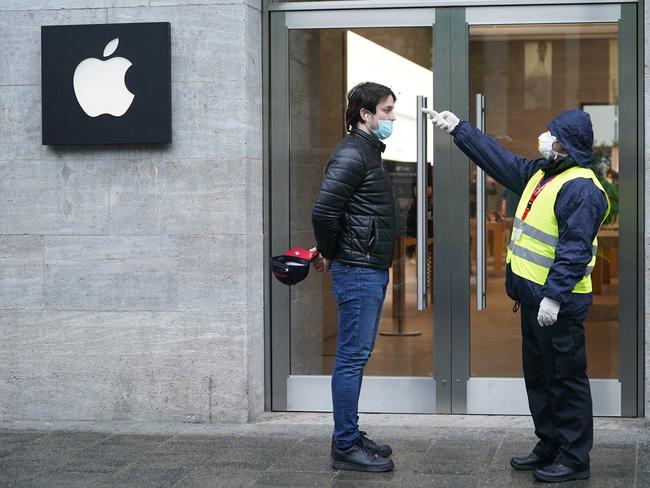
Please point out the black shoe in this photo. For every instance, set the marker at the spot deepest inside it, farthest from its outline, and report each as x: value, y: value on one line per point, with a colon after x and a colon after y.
x: 557, y: 473
x: 382, y: 450
x: 359, y: 458
x: 530, y: 462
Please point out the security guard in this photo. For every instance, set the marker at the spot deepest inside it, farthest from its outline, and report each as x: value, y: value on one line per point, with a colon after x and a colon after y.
x: 550, y: 257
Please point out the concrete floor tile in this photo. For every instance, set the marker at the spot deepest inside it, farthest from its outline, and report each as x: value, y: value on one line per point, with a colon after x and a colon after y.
x: 140, y: 441
x: 258, y: 442
x: 427, y: 456
x: 10, y: 441
x: 134, y: 476
x: 445, y: 481
x: 13, y: 450
x: 614, y: 458
x: 413, y: 480
x: 98, y: 461
x: 215, y: 483
x: 509, y: 479
x: 163, y: 460
x: 213, y: 445
x: 410, y: 445
x: 213, y: 476
x: 22, y: 469
x: 71, y: 440
x: 643, y: 457
x: 303, y: 462
x: 395, y: 476
x: 313, y: 444
x: 642, y: 479
x: 188, y: 446
x: 64, y: 479
x: 602, y: 482
x: 20, y: 436
x: 371, y: 483
x: 310, y: 454
x: 460, y: 456
x: 49, y: 455
x: 509, y: 449
x: 410, y: 461
x: 246, y: 458
x: 290, y: 479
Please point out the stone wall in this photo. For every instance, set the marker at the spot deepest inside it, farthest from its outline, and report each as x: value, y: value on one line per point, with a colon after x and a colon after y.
x: 131, y: 280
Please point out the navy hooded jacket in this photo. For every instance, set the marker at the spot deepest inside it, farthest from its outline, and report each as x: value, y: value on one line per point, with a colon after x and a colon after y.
x: 579, y: 208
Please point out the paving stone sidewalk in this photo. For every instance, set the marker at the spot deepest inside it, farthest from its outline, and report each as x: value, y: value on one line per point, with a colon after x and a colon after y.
x: 462, y: 454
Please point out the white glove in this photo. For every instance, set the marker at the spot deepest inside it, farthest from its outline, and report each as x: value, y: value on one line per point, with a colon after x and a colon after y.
x: 548, y: 310
x: 444, y: 120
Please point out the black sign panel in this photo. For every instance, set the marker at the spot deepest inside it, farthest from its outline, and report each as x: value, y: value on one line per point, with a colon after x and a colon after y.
x: 106, y: 84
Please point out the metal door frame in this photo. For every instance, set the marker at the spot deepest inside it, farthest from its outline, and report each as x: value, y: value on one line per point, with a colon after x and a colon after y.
x: 507, y: 395
x: 300, y: 392
x: 447, y: 158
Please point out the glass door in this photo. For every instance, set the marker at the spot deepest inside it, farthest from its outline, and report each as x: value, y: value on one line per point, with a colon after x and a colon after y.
x: 436, y: 351
x: 525, y: 70
x: 316, y: 58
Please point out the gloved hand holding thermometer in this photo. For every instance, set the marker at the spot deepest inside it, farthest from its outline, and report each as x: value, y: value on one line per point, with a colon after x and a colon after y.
x: 446, y: 121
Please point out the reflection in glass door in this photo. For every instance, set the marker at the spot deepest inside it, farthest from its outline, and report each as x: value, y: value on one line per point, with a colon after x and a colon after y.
x: 323, y: 65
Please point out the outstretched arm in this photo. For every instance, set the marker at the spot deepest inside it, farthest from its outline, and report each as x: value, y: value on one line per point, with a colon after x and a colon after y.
x: 509, y: 169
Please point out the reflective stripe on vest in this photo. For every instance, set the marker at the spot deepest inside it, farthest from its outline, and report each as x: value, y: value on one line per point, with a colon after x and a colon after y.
x: 538, y: 259
x: 531, y: 251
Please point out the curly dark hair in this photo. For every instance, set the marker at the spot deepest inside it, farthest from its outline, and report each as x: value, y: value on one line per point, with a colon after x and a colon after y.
x: 365, y: 95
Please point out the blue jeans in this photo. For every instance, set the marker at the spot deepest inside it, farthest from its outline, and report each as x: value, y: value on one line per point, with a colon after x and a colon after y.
x: 359, y: 294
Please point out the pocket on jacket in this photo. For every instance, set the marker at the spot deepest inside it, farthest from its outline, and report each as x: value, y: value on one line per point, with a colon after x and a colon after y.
x: 371, y: 239
x: 569, y: 356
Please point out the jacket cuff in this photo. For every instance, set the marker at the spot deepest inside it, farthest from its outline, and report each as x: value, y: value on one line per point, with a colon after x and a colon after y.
x: 325, y: 253
x: 553, y: 295
x: 455, y: 131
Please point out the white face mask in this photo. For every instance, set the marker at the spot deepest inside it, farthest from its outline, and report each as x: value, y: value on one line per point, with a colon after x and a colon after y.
x: 545, y: 146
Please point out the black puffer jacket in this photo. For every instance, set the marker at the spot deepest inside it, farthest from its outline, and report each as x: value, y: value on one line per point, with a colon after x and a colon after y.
x: 354, y: 214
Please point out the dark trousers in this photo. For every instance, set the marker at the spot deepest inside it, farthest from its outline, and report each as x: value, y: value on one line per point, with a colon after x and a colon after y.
x: 559, y: 396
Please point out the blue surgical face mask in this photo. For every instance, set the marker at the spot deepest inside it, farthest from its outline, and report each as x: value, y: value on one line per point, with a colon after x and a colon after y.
x: 384, y: 130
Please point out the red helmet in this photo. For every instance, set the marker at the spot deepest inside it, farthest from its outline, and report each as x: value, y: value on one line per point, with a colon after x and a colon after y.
x: 292, y: 266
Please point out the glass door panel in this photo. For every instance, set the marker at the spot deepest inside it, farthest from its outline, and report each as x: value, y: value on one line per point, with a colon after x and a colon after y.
x: 323, y: 65
x: 529, y: 74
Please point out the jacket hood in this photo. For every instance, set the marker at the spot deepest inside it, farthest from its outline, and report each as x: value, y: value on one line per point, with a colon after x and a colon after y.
x: 574, y: 131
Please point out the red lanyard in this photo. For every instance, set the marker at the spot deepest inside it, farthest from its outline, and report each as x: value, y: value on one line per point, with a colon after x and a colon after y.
x: 535, y: 194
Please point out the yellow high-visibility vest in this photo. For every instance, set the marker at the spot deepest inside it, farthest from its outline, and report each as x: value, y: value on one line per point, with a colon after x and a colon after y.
x: 531, y: 251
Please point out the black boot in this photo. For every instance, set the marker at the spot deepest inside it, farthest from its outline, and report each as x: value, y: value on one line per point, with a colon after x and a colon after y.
x: 382, y: 450
x: 530, y: 462
x: 357, y: 457
x: 557, y: 473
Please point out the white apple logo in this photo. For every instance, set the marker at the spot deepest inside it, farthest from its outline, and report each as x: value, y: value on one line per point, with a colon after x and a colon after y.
x: 99, y: 85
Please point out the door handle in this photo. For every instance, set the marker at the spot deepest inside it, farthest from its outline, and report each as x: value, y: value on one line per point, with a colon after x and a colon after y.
x: 481, y: 260
x: 421, y: 198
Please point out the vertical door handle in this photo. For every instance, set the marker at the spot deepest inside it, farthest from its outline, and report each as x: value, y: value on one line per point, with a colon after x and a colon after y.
x: 481, y: 267
x: 422, y: 301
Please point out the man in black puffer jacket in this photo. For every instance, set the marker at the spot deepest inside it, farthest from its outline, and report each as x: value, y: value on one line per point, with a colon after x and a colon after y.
x: 354, y: 226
